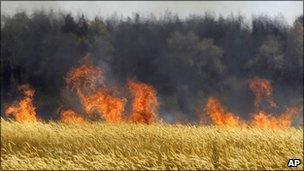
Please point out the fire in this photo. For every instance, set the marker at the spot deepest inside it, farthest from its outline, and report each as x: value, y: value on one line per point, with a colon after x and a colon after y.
x: 144, y: 105
x: 110, y: 107
x: 262, y: 89
x: 264, y: 120
x: 260, y: 119
x: 69, y: 116
x: 84, y: 79
x: 96, y: 98
x: 218, y: 114
x: 25, y: 110
x: 87, y: 81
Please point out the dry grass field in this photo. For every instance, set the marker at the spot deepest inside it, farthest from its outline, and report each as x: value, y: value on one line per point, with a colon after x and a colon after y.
x: 135, y: 146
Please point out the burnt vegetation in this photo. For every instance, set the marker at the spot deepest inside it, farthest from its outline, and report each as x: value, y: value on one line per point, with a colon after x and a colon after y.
x: 185, y: 60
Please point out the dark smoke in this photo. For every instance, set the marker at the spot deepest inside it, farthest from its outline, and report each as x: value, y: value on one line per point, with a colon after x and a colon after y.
x: 185, y: 60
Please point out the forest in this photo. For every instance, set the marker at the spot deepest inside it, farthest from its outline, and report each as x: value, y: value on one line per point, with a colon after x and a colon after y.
x: 185, y: 60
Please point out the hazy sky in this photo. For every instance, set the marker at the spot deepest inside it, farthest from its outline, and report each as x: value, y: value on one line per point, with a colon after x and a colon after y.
x: 288, y: 9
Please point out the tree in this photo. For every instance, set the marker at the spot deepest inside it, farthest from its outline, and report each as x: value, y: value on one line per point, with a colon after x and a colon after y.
x: 200, y: 58
x: 269, y: 60
x: 69, y: 24
x: 294, y: 51
x: 82, y: 26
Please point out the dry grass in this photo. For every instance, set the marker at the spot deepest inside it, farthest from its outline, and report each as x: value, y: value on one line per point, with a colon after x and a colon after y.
x: 157, y: 146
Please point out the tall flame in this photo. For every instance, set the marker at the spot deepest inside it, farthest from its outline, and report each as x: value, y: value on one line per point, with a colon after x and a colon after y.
x: 144, y: 105
x: 262, y: 89
x: 95, y: 97
x: 25, y: 110
x: 85, y: 79
x: 87, y: 82
x: 218, y: 114
x: 69, y: 116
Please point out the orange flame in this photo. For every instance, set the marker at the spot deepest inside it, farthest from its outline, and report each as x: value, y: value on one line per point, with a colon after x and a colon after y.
x: 264, y: 120
x: 262, y: 89
x: 25, y: 110
x: 69, y: 116
x: 84, y: 79
x: 88, y: 83
x: 144, y: 106
x: 218, y: 114
x: 110, y: 107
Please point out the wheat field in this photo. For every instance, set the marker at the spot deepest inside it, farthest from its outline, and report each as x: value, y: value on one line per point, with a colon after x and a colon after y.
x: 135, y: 146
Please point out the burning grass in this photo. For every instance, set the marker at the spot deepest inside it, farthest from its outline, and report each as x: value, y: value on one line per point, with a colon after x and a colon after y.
x: 139, y: 146
x: 24, y: 110
x: 95, y: 96
x: 69, y: 116
x: 144, y: 105
x: 87, y: 81
x: 266, y: 141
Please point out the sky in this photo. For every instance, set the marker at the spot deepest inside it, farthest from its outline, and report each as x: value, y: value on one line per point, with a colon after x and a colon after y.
x: 289, y: 10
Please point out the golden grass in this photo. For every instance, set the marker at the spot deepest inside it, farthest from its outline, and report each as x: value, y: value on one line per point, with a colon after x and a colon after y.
x: 157, y: 146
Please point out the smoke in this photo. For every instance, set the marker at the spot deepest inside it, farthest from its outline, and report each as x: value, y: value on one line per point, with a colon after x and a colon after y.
x: 185, y: 61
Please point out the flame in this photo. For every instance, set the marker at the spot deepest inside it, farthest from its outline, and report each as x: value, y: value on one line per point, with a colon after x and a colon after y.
x: 95, y: 97
x: 262, y: 89
x: 25, y: 110
x: 87, y: 81
x: 69, y: 116
x: 260, y: 119
x: 218, y: 114
x: 144, y: 105
x: 85, y: 78
x: 110, y: 107
x: 264, y: 120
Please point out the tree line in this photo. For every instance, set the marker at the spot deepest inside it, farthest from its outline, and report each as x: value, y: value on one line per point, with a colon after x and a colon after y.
x: 186, y: 60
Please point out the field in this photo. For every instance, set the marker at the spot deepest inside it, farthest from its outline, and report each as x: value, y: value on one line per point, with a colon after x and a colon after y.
x: 157, y: 146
